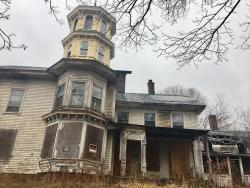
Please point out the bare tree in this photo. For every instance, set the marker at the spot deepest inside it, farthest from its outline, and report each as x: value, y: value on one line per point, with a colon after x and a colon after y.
x: 6, y: 38
x: 181, y: 91
x: 142, y: 22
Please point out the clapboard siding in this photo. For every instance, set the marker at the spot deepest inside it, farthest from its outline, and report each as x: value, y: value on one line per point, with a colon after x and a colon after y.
x: 38, y: 100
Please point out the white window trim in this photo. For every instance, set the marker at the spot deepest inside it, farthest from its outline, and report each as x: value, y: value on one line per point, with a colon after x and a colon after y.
x: 21, y: 105
x: 183, y: 115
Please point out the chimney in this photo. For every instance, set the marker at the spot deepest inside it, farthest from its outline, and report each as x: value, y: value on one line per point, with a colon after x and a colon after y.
x: 213, y: 122
x: 151, y: 87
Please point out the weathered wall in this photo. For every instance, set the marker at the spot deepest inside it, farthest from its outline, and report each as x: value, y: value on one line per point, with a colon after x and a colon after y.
x: 30, y: 128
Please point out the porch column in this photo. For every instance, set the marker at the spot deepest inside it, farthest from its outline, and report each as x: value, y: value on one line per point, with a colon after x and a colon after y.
x: 198, y: 165
x: 143, y: 159
x: 241, y: 170
x: 123, y: 156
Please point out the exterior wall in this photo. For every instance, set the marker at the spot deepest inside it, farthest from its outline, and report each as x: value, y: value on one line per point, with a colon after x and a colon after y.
x: 107, y: 164
x: 110, y: 103
x: 163, y: 118
x: 93, y: 46
x: 38, y: 100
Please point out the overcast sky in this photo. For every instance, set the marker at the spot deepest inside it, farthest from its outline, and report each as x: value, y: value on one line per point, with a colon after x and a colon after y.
x: 33, y: 26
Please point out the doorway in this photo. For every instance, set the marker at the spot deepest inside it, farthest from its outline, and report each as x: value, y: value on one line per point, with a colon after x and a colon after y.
x: 133, y: 158
x: 235, y: 170
x: 117, y: 162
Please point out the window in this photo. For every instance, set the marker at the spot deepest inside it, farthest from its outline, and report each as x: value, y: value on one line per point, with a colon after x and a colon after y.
x: 77, y: 94
x: 15, y: 100
x: 69, y: 51
x: 75, y: 24
x: 88, y: 23
x: 149, y: 119
x: 59, y: 96
x: 7, y: 140
x: 96, y: 98
x: 177, y: 121
x: 123, y: 117
x: 93, y: 143
x: 103, y: 27
x: 68, y: 141
x: 101, y: 53
x: 48, y: 142
x: 84, y: 48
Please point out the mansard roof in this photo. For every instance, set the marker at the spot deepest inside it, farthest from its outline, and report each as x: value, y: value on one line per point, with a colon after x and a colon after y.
x: 160, y: 101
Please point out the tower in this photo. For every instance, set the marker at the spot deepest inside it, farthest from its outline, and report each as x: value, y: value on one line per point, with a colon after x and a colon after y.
x: 91, y: 31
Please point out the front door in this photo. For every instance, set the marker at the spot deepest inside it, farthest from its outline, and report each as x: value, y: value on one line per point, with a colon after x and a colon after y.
x: 133, y: 158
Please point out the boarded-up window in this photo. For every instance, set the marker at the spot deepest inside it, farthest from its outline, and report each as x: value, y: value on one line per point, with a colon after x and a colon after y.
x: 48, y: 142
x: 7, y: 140
x: 68, y: 140
x: 93, y: 143
x: 246, y: 165
x: 15, y: 100
x: 153, y: 155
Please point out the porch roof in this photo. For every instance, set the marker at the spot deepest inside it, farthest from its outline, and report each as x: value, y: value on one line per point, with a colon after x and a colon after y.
x: 174, y: 132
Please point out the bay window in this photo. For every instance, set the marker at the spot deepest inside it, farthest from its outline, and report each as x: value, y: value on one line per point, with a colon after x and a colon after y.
x: 77, y: 94
x: 96, y: 98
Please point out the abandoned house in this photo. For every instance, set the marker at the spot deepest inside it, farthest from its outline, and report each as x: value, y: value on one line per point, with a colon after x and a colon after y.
x: 75, y: 116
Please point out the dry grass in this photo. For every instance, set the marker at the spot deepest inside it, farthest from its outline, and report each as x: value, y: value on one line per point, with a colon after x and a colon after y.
x: 89, y: 181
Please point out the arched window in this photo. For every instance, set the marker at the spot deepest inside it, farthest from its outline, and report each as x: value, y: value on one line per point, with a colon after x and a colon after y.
x: 88, y: 23
x: 84, y: 48
x: 103, y: 27
x: 101, y: 53
x: 69, y: 51
x: 75, y: 24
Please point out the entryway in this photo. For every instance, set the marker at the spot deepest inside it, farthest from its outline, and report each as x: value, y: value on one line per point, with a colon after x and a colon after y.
x: 133, y: 158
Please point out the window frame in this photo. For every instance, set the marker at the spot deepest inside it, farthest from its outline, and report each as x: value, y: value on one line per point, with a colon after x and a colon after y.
x: 65, y: 85
x: 127, y: 117
x: 89, y: 28
x: 103, y: 22
x: 84, y: 49
x: 21, y: 104
x: 101, y: 100
x: 100, y: 56
x: 155, y: 116
x: 177, y: 113
x: 71, y: 92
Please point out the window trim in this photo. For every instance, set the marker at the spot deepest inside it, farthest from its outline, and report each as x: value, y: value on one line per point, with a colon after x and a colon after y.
x: 21, y: 105
x: 150, y: 113
x: 65, y: 87
x: 84, y: 93
x: 171, y: 118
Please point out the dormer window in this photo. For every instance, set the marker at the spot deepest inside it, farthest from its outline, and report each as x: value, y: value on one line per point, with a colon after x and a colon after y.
x: 103, y: 27
x: 84, y: 48
x: 88, y: 23
x: 59, y: 96
x: 101, y: 51
x: 75, y: 24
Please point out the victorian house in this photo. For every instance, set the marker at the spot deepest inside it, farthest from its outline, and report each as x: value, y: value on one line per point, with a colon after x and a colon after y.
x: 75, y: 115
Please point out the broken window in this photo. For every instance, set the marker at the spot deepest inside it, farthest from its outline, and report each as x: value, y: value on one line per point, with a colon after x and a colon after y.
x: 177, y: 120
x: 59, y: 96
x: 149, y: 119
x: 68, y: 140
x: 77, y: 94
x: 123, y: 117
x: 7, y: 140
x: 153, y: 155
x: 93, y: 143
x: 48, y: 142
x: 96, y: 98
x: 15, y: 100
x: 246, y: 165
